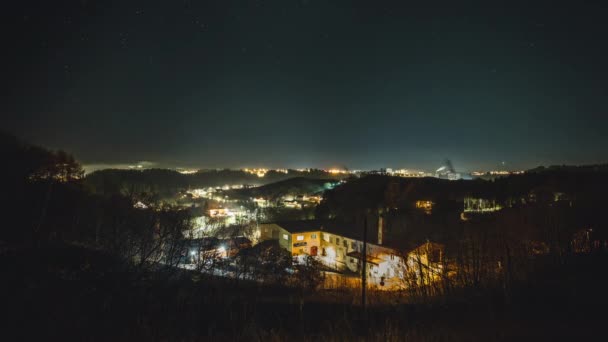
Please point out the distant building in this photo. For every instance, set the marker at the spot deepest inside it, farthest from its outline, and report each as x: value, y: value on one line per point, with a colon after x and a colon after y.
x: 294, y: 204
x: 261, y: 202
x: 313, y: 198
x: 426, y: 206
x: 221, y: 212
x: 410, y: 173
x: 140, y: 205
x: 211, y: 248
x: 480, y: 205
x: 231, y: 246
x: 447, y: 171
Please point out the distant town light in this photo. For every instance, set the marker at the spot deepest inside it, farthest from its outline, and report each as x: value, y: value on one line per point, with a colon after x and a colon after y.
x: 187, y: 172
x: 259, y: 172
x: 426, y: 206
x: 336, y: 171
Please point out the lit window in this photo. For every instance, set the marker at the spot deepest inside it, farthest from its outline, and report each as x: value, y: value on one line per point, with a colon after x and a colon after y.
x: 326, y: 237
x: 300, y: 237
x: 285, y: 237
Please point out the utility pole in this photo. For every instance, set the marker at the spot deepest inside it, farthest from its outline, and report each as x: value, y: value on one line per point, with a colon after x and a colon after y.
x: 364, y: 263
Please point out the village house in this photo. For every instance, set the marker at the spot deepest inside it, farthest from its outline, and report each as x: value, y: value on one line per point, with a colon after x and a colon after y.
x: 340, y: 247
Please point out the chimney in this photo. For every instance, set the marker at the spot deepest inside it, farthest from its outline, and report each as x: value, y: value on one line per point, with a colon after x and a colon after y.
x: 380, y: 228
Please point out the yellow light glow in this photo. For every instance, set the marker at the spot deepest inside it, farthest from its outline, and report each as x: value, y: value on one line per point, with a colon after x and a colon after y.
x: 331, y: 253
x: 187, y: 172
x: 336, y: 171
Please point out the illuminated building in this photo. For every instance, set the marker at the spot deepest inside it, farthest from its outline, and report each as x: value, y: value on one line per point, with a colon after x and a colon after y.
x: 480, y: 205
x: 425, y: 263
x: 292, y: 204
x: 259, y: 172
x: 226, y: 216
x: 261, y: 202
x: 186, y: 171
x: 447, y: 171
x: 337, y: 171
x: 312, y: 199
x: 221, y: 212
x: 409, y: 173
x: 208, y: 249
x: 494, y: 174
x: 231, y: 246
x: 197, y: 250
x: 140, y: 205
x: 426, y: 206
x: 338, y: 248
x: 198, y: 193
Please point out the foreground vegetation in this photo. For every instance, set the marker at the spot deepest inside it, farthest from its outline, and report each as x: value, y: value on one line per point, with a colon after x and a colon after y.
x: 65, y: 291
x: 77, y: 264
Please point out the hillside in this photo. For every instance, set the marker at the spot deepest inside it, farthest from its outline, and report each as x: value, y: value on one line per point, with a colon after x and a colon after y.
x: 165, y: 182
x: 292, y: 186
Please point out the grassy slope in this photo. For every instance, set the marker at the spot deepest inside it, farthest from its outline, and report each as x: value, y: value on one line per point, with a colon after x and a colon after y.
x: 71, y: 292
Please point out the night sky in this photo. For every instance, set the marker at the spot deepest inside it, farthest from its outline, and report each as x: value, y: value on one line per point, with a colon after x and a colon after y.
x: 310, y: 83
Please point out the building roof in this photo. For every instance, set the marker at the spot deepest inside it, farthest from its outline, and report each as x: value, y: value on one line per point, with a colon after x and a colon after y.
x: 353, y: 230
x: 347, y: 230
x: 300, y: 225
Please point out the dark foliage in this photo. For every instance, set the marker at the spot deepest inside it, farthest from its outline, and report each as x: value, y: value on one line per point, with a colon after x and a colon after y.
x: 84, y: 264
x: 292, y: 186
x: 167, y: 183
